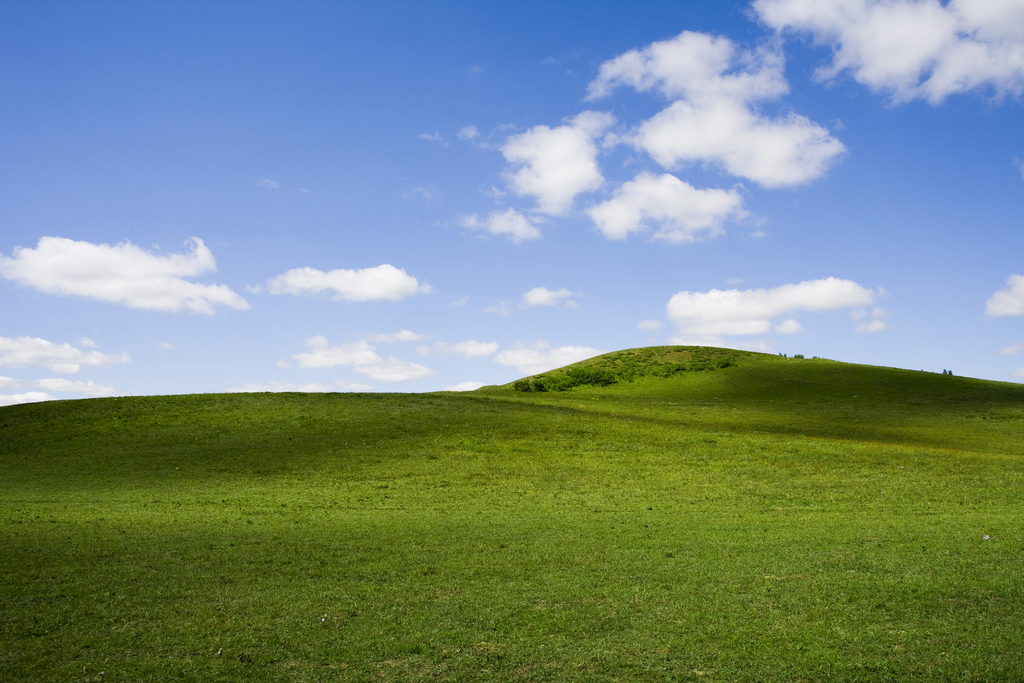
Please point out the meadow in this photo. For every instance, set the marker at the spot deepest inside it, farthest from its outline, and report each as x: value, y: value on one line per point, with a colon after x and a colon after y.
x: 672, y: 514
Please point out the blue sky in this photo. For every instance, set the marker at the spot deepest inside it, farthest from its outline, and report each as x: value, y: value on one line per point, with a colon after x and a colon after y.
x: 203, y: 197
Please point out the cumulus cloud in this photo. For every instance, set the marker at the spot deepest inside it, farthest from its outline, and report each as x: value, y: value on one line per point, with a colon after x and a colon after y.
x: 467, y: 349
x: 680, y: 211
x: 1013, y: 349
x: 20, y: 352
x: 705, y: 315
x: 368, y: 284
x: 310, y: 388
x: 1009, y: 300
x: 362, y: 358
x: 540, y: 357
x: 123, y: 274
x: 465, y: 386
x: 916, y: 49
x: 713, y: 118
x: 508, y: 223
x: 553, y: 165
x: 27, y: 397
x: 542, y: 296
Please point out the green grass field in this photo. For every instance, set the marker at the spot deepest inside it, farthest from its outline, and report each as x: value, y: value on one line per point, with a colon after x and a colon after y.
x: 774, y: 520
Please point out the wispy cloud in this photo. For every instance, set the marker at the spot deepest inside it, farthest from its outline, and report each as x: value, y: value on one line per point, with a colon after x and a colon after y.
x: 312, y: 387
x: 434, y: 137
x: 1012, y: 350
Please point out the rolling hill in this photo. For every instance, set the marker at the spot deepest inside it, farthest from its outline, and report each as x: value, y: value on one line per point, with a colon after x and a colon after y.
x: 667, y: 513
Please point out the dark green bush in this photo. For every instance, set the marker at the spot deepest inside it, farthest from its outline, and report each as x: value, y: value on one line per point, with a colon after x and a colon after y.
x: 592, y: 376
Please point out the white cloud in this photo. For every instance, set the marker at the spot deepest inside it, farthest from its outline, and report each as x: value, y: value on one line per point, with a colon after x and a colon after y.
x: 27, y: 397
x: 651, y: 325
x: 1009, y: 300
x: 268, y: 184
x: 705, y: 315
x: 542, y: 296
x: 165, y: 346
x: 500, y: 308
x: 465, y: 386
x: 681, y: 211
x: 468, y: 133
x: 392, y: 369
x: 1013, y: 349
x: 368, y: 284
x: 124, y: 274
x: 873, y: 326
x: 553, y: 165
x: 404, y: 335
x: 87, y: 343
x: 1019, y: 372
x: 363, y: 359
x: 788, y: 327
x: 467, y: 349
x: 434, y: 137
x: 913, y: 49
x: 540, y: 357
x: 509, y: 223
x: 427, y: 194
x: 458, y: 302
x: 89, y: 388
x: 323, y: 355
x: 714, y: 116
x: 311, y: 388
x: 20, y: 352
x: 60, y: 384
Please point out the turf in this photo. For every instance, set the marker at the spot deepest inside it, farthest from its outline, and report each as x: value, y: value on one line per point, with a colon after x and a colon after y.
x: 774, y: 520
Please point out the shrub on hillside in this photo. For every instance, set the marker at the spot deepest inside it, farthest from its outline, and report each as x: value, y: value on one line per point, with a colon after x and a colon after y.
x: 563, y: 382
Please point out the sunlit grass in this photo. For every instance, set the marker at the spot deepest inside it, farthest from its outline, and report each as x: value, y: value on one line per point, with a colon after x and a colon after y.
x: 778, y: 520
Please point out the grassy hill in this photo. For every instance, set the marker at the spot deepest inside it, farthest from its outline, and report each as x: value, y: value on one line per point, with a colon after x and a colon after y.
x: 675, y: 513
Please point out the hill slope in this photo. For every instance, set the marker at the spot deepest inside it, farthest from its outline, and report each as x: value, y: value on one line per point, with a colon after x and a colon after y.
x: 770, y: 519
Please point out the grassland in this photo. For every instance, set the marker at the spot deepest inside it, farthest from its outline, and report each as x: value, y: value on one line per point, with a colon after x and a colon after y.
x: 772, y: 520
